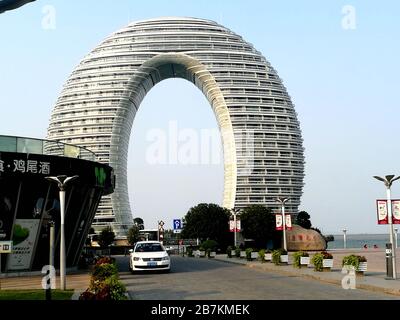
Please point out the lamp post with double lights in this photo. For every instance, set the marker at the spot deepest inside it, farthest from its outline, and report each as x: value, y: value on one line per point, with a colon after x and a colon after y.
x: 235, y: 212
x: 62, y: 182
x: 388, y: 181
x: 282, y: 201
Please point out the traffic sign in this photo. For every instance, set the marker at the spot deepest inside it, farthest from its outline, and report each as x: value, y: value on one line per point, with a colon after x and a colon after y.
x: 177, y: 224
x: 6, y: 246
x: 178, y: 231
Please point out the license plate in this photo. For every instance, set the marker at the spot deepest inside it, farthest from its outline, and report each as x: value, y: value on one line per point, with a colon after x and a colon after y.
x: 151, y: 263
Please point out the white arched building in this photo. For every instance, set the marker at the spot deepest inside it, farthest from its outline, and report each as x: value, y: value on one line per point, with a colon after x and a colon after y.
x: 261, y: 137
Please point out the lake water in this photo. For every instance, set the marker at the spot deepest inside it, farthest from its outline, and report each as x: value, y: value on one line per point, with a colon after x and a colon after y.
x: 357, y: 241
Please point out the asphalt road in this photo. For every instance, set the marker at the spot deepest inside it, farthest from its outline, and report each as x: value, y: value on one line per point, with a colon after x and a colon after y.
x: 207, y: 279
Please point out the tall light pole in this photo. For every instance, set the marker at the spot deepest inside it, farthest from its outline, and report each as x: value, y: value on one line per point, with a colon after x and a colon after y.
x: 234, y: 211
x: 62, y: 182
x: 344, y: 239
x: 282, y: 201
x: 396, y: 236
x: 388, y: 181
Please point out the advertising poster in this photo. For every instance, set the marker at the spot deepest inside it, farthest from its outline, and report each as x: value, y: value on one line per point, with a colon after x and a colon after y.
x: 24, y: 235
x: 396, y: 211
x: 381, y: 207
x: 279, y: 222
x: 288, y: 219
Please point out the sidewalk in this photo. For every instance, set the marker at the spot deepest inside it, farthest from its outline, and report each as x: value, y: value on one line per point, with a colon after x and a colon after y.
x: 78, y: 281
x: 373, y: 280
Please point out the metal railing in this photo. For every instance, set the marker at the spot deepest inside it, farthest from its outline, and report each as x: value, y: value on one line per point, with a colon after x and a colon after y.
x: 46, y: 147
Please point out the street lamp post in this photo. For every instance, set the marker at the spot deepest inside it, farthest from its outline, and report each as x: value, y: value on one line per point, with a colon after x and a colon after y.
x: 282, y: 201
x: 344, y: 239
x: 395, y: 234
x: 62, y: 182
x: 234, y: 211
x: 388, y: 181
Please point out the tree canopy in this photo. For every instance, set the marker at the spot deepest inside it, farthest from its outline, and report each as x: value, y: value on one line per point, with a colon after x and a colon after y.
x: 139, y: 223
x: 258, y: 223
x: 133, y: 235
x: 303, y: 220
x: 106, y: 237
x: 208, y: 221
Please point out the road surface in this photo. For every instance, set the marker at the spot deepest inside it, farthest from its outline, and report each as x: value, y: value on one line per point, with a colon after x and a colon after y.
x: 208, y: 279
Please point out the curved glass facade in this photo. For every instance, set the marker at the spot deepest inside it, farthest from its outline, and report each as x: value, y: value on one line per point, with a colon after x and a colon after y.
x: 261, y: 137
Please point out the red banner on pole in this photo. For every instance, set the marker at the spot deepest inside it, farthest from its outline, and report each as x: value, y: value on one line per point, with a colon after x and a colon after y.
x: 232, y: 226
x: 288, y: 221
x: 382, y: 211
x: 279, y: 222
x: 396, y: 211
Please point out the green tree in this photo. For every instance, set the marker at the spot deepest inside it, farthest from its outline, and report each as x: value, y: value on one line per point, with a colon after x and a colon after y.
x: 258, y: 223
x: 139, y: 222
x: 106, y: 237
x: 208, y: 221
x: 303, y: 220
x: 133, y: 235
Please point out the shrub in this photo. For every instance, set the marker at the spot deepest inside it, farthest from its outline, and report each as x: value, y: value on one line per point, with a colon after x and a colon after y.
x: 261, y: 255
x: 229, y: 251
x: 237, y: 252
x: 317, y: 261
x: 104, y: 271
x: 276, y: 256
x: 103, y: 260
x: 209, y: 244
x: 115, y: 288
x: 353, y: 260
x: 326, y: 255
x: 189, y: 251
x: 297, y: 255
x: 248, y: 253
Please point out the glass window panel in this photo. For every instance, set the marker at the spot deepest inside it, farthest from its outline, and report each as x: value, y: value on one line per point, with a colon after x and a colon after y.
x: 29, y: 145
x: 8, y: 144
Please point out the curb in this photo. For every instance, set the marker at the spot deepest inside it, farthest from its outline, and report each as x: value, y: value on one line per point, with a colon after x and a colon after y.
x: 264, y: 267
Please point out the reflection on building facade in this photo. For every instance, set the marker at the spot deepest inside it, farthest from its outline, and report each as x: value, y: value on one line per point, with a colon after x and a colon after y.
x: 28, y: 202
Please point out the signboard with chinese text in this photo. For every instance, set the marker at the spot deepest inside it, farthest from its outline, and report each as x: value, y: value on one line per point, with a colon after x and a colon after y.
x: 288, y: 221
x: 232, y: 226
x: 381, y: 207
x: 279, y: 222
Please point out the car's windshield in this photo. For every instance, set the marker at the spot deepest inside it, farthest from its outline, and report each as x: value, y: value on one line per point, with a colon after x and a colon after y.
x: 148, y: 247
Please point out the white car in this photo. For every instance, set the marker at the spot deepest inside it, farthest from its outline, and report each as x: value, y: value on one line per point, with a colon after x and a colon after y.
x: 149, y: 255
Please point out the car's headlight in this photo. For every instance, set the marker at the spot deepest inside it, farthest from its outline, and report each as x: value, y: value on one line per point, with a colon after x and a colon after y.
x: 166, y: 258
x: 136, y: 258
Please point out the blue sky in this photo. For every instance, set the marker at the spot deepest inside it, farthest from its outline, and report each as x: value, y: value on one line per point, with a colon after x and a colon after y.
x: 343, y: 82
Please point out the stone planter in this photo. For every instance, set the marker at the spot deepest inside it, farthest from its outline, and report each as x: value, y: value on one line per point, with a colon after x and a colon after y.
x: 327, y: 264
x: 243, y: 254
x: 284, y: 259
x: 254, y: 255
x: 202, y: 254
x: 268, y: 257
x: 304, y: 261
x: 212, y: 254
x: 233, y: 253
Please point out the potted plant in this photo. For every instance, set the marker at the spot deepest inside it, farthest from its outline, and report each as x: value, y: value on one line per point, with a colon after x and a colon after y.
x: 301, y: 258
x: 280, y: 256
x: 202, y: 252
x: 284, y: 257
x: 316, y: 260
x: 248, y: 253
x: 242, y: 254
x: 189, y: 251
x: 237, y: 252
x: 359, y: 263
x: 268, y: 255
x: 254, y: 254
x: 276, y: 257
x: 327, y: 261
x: 261, y: 255
x: 230, y: 252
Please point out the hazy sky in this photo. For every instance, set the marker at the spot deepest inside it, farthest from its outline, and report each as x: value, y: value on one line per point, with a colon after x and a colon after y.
x: 342, y: 75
